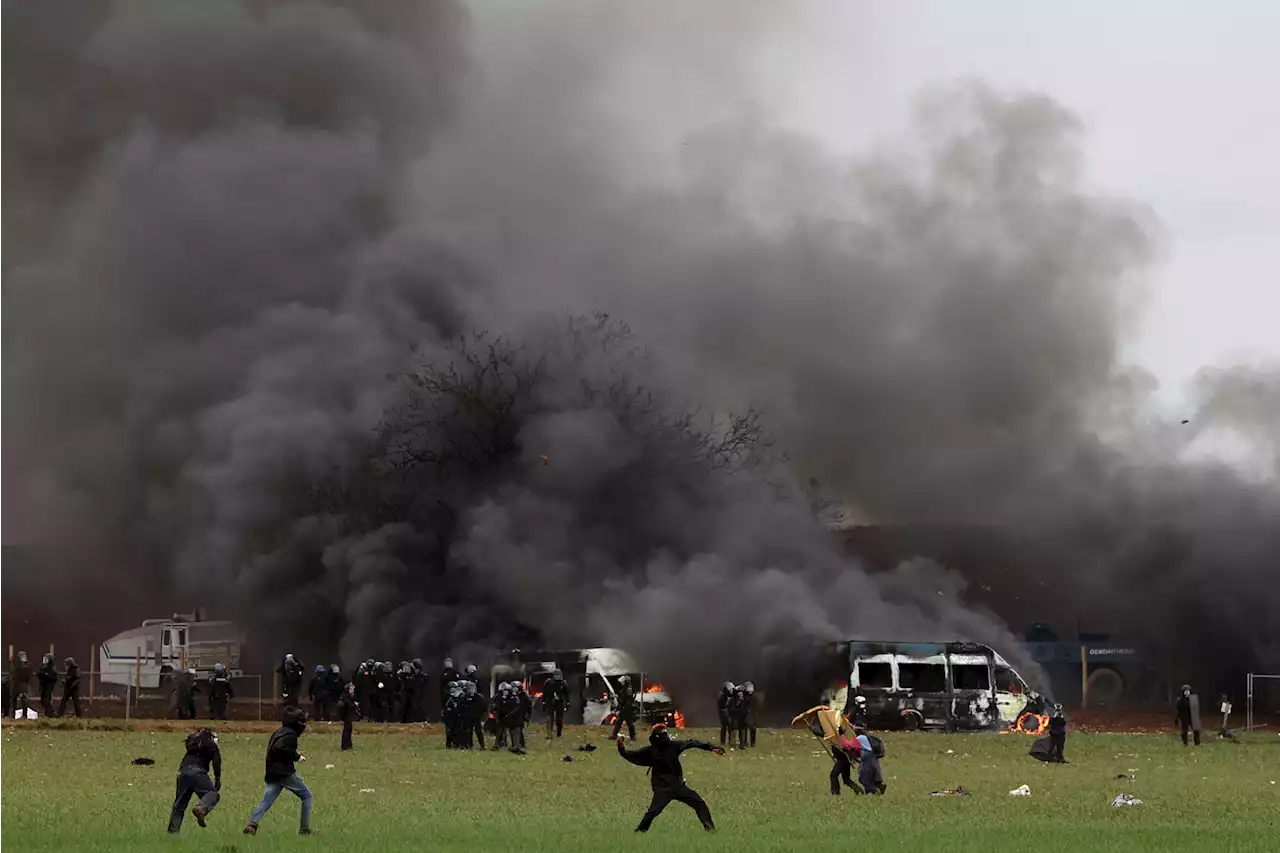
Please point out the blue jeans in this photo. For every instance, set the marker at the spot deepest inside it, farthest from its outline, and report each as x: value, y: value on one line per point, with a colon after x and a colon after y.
x: 295, y: 784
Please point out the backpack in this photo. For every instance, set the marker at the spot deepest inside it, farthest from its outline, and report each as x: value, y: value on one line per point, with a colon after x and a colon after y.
x: 877, y: 745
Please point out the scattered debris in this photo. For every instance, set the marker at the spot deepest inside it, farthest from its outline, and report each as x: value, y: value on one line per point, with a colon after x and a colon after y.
x: 962, y: 791
x: 144, y: 762
x: 1021, y: 791
x: 951, y: 752
x: 1124, y: 776
x: 329, y: 766
x: 1126, y: 800
x: 587, y: 747
x: 367, y: 791
x: 567, y: 758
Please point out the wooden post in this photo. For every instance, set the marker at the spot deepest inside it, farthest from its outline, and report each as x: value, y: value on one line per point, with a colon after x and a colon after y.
x: 11, y: 654
x: 137, y: 673
x: 51, y: 649
x: 182, y: 658
x: 1084, y: 676
x: 93, y: 662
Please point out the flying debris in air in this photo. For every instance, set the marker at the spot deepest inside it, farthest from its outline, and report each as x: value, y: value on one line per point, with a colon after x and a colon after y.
x: 1184, y: 420
x: 546, y: 462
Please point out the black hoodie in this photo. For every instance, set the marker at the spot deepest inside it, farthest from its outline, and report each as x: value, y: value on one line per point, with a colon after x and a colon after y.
x: 662, y: 757
x: 282, y: 749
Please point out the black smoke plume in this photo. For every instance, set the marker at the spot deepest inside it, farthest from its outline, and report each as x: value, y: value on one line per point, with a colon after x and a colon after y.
x: 244, y: 240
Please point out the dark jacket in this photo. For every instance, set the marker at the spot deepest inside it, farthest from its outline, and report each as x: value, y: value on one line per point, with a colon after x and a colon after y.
x: 282, y: 752
x: 555, y: 694
x: 723, y: 700
x: 627, y: 702
x: 203, y: 752
x: 220, y: 688
x: 47, y: 675
x: 20, y: 680
x: 71, y: 679
x: 1058, y: 724
x: 663, y: 761
x: 1183, y: 710
x: 348, y: 709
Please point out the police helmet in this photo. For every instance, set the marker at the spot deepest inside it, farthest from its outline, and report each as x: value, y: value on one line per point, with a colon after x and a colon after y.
x: 48, y: 658
x: 289, y: 658
x: 448, y: 663
x: 335, y: 669
x: 624, y: 679
x: 471, y: 668
x: 555, y: 673
x: 69, y: 662
x: 319, y: 669
x: 749, y: 687
x: 859, y: 700
x: 728, y: 685
x: 219, y: 669
x: 22, y: 656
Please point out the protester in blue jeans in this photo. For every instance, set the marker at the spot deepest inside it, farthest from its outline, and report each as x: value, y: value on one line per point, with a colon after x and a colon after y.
x: 282, y: 752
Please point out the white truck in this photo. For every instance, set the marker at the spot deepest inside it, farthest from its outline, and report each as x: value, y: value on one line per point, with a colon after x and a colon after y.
x: 148, y: 655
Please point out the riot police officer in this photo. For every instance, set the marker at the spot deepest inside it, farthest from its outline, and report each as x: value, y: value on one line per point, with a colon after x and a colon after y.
x: 555, y: 700
x: 186, y: 689
x: 70, y: 687
x: 220, y: 692
x: 625, y: 710
x: 290, y: 672
x: 20, y: 684
x: 316, y: 692
x: 47, y: 675
x: 722, y: 708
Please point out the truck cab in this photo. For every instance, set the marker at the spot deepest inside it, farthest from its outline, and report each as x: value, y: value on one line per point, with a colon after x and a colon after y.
x: 147, y: 656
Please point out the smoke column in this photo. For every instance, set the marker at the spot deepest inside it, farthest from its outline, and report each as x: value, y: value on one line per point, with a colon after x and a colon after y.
x: 232, y: 226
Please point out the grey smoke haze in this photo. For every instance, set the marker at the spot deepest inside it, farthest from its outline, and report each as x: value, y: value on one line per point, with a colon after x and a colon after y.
x: 227, y: 225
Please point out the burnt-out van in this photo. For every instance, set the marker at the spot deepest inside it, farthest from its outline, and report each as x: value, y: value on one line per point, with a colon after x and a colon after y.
x: 952, y: 686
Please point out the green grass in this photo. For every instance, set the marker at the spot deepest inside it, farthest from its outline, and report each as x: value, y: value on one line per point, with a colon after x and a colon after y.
x: 65, y: 790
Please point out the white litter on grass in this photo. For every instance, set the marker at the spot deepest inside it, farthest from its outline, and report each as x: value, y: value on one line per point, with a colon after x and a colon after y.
x: 330, y: 766
x: 366, y: 790
x: 1021, y: 791
x: 951, y: 752
x: 1126, y: 800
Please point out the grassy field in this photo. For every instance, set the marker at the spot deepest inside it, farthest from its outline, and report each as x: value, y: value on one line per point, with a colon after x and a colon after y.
x: 73, y: 790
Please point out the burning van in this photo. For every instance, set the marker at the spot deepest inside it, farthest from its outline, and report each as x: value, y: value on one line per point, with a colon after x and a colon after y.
x: 951, y: 686
x: 592, y: 675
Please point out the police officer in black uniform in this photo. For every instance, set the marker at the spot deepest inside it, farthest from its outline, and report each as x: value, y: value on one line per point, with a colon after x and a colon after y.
x: 555, y: 699
x: 20, y: 684
x: 406, y: 684
x: 626, y: 711
x: 70, y: 687
x: 220, y: 692
x: 291, y: 673
x: 47, y: 675
x: 420, y: 680
x: 722, y: 709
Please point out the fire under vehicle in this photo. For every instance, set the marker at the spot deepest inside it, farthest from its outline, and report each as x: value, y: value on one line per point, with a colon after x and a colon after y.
x: 952, y: 686
x: 185, y: 641
x: 592, y: 676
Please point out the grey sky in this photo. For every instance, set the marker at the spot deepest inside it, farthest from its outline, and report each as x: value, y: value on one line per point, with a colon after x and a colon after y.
x: 1178, y: 103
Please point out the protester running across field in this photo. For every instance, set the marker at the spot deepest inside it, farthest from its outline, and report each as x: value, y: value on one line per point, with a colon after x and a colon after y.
x: 662, y: 757
x: 282, y: 775
x: 193, y: 778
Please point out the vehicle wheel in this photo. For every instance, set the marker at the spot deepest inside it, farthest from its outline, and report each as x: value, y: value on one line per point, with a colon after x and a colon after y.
x: 911, y: 722
x: 1106, y: 688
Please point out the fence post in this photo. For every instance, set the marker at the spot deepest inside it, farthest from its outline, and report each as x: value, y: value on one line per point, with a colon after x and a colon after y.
x: 126, y: 700
x: 1084, y: 676
x: 1249, y: 702
x: 137, y: 673
x: 93, y: 662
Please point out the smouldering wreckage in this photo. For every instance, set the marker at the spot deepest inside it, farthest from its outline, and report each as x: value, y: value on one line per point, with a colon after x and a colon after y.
x: 954, y: 686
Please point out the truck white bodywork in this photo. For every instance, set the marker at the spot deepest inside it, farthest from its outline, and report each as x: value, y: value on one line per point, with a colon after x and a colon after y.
x: 934, y: 685
x: 168, y: 645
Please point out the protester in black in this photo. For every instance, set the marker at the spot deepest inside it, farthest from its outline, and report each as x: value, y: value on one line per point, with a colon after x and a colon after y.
x: 1057, y: 735
x: 193, y: 779
x: 662, y: 757
x: 348, y: 712
x: 282, y: 774
x: 1188, y: 714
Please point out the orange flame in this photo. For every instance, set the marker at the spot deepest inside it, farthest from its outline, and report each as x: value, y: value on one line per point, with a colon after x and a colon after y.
x: 1029, y: 724
x: 654, y: 687
x: 679, y: 720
